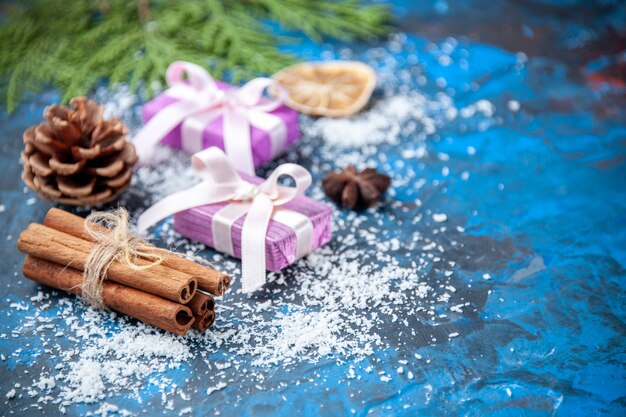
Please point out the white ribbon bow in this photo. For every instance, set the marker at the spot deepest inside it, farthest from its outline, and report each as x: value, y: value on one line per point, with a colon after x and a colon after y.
x: 259, y: 203
x: 201, y: 101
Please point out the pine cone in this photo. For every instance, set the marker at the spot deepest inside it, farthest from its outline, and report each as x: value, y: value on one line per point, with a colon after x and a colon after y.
x: 77, y: 158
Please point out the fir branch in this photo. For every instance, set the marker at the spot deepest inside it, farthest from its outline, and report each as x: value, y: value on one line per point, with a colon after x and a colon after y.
x: 344, y: 20
x: 73, y: 47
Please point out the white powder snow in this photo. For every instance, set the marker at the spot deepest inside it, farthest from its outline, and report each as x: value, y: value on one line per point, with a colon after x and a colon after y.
x: 386, y: 121
x: 513, y: 105
x: 440, y: 217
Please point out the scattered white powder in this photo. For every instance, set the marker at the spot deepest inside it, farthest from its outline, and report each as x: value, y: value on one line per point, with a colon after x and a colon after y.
x: 11, y: 394
x: 107, y: 363
x: 513, y: 105
x: 481, y: 106
x: 218, y: 387
x: 440, y: 217
x: 387, y: 121
x: 457, y: 308
x: 382, y: 123
x: 45, y: 383
x: 300, y: 334
x: 108, y: 409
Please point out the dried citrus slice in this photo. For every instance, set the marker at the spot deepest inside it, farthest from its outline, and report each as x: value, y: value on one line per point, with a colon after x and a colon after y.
x: 333, y: 88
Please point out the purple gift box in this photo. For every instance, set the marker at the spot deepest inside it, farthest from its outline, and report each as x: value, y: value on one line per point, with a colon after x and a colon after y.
x: 280, y: 240
x: 213, y: 134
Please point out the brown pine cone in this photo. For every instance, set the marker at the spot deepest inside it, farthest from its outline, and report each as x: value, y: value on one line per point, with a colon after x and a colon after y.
x: 355, y: 190
x: 77, y: 158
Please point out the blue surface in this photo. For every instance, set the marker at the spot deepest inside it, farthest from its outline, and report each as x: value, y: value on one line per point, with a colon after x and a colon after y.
x: 549, y: 326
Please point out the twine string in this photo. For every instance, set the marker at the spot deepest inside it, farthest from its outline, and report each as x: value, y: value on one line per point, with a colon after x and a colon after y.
x: 114, y: 243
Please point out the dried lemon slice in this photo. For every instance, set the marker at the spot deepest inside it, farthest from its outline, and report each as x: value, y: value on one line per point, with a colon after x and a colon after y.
x: 333, y: 88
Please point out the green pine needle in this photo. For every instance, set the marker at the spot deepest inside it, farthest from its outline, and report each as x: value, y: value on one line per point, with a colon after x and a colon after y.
x: 72, y: 46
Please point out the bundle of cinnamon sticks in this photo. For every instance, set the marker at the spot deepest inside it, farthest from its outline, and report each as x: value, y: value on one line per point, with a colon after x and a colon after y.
x: 173, y: 295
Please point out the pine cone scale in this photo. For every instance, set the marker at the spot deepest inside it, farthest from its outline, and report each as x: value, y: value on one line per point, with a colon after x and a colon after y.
x: 28, y: 178
x: 66, y: 168
x: 40, y: 141
x: 69, y: 132
x: 129, y: 155
x: 95, y: 198
x: 111, y: 170
x: 55, y: 110
x: 98, y: 149
x: 46, y: 188
x: 69, y: 186
x: 121, y: 180
x: 111, y: 130
x: 39, y: 164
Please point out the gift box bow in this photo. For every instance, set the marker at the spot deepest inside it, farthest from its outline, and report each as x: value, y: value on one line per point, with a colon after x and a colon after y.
x: 258, y: 202
x: 201, y: 101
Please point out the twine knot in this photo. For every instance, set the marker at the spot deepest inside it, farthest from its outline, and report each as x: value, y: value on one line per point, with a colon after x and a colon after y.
x: 114, y: 243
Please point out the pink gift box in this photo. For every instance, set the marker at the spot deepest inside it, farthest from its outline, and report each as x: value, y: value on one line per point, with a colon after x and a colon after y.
x: 280, y: 240
x: 213, y: 134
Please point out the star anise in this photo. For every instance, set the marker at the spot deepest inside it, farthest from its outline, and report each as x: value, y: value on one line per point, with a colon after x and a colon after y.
x: 355, y: 190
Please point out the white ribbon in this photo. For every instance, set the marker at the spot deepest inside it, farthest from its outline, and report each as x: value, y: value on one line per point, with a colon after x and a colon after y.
x: 200, y: 101
x: 259, y: 203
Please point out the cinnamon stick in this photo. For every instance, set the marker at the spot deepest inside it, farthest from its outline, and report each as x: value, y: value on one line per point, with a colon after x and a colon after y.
x: 201, y: 303
x: 55, y: 246
x: 208, y: 279
x: 202, y: 323
x: 203, y: 308
x: 140, y: 305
